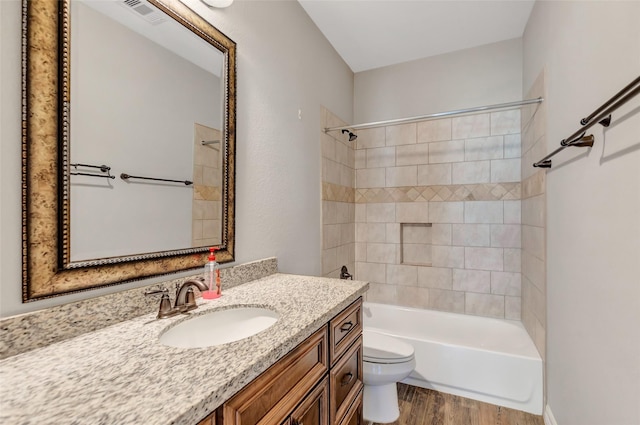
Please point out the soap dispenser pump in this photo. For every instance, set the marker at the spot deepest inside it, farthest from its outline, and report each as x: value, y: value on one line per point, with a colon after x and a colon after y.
x: 211, y: 276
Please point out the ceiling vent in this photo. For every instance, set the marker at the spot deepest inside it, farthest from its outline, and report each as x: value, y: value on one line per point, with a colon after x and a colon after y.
x: 145, y: 10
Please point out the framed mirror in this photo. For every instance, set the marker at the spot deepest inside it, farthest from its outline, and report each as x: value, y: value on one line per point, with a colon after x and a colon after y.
x: 128, y: 143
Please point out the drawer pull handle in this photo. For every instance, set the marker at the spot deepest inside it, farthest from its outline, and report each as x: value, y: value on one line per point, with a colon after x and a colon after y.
x: 346, y: 326
x: 346, y: 379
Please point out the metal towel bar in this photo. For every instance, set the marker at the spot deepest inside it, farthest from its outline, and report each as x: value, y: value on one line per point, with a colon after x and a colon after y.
x: 601, y: 116
x: 102, y: 168
x: 125, y: 176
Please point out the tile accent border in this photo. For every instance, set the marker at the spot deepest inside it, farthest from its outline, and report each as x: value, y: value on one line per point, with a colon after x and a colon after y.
x: 534, y: 185
x: 461, y: 192
x: 337, y: 193
x: 26, y: 332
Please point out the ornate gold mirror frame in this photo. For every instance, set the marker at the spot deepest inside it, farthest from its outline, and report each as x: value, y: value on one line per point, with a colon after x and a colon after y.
x: 46, y: 267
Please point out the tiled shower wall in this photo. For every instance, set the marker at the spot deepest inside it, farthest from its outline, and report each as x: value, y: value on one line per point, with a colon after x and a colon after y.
x: 534, y: 145
x: 338, y: 208
x: 207, y: 187
x: 438, y: 214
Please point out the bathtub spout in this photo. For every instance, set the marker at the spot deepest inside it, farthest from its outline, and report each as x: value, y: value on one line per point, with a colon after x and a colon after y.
x: 344, y: 273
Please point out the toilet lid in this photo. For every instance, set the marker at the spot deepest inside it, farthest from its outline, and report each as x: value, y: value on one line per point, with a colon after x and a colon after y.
x: 380, y: 348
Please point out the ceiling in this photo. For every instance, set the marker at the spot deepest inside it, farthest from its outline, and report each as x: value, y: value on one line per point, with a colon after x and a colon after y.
x: 371, y: 34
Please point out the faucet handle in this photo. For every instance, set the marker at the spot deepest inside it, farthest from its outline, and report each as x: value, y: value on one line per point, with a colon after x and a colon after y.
x: 158, y: 290
x: 165, y: 309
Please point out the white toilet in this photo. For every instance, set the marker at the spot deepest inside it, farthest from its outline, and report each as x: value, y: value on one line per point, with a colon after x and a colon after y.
x: 386, y: 360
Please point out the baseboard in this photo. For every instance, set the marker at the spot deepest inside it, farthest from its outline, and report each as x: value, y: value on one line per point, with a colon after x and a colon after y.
x: 548, y: 416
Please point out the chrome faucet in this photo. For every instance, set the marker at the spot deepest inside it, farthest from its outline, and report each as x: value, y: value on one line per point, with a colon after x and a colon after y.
x: 185, y: 298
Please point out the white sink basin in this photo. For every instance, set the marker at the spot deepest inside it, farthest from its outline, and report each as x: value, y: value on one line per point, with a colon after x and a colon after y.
x: 219, y: 327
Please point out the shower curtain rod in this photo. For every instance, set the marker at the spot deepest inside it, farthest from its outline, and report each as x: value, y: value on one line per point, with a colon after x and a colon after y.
x: 509, y: 105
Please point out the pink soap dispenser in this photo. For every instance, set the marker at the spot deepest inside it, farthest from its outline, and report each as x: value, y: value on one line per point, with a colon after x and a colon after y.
x: 212, y: 276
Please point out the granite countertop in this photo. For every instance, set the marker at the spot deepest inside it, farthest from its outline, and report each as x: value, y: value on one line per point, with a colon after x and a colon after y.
x: 122, y: 374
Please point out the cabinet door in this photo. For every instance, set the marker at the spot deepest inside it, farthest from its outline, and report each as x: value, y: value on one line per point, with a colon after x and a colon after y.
x: 314, y: 408
x: 346, y: 381
x: 272, y: 396
x: 209, y: 420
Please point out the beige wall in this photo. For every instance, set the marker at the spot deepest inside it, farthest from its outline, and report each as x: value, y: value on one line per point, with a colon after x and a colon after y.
x: 471, y: 77
x: 284, y: 65
x: 438, y: 214
x: 590, y: 51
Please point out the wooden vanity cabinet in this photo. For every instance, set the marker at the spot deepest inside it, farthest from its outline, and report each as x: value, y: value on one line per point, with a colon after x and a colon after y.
x: 273, y: 396
x: 317, y: 383
x: 354, y: 414
x: 344, y: 329
x: 345, y: 352
x: 313, y: 410
x: 209, y: 420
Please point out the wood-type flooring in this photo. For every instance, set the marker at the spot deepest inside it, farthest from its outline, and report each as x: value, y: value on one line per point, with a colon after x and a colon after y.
x: 420, y: 406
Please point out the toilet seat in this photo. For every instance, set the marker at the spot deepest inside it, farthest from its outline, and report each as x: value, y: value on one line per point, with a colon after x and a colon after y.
x: 384, y: 349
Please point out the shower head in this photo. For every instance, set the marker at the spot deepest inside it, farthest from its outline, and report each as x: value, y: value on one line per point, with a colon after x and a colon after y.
x: 352, y: 136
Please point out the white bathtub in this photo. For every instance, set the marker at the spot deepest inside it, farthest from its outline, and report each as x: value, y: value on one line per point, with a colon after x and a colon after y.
x: 489, y: 360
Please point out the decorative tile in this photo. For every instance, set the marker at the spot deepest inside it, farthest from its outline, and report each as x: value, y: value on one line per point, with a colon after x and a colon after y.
x: 534, y: 185
x: 461, y: 193
x: 499, y: 192
x: 445, y: 193
x: 440, y: 193
x: 427, y: 193
x: 334, y: 192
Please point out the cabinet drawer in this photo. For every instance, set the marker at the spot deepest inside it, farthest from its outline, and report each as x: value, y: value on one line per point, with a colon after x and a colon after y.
x: 354, y: 414
x: 344, y: 329
x: 273, y: 395
x: 346, y: 381
x: 313, y: 410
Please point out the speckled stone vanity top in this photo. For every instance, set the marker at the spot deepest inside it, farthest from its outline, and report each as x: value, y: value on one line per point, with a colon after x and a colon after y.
x: 122, y: 374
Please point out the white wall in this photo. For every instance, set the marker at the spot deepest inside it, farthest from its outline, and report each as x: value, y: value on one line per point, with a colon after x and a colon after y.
x: 472, y: 77
x: 591, y: 50
x: 284, y: 64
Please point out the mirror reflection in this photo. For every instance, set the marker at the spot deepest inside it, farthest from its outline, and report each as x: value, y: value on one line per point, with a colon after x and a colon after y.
x: 129, y: 152
x: 146, y: 101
